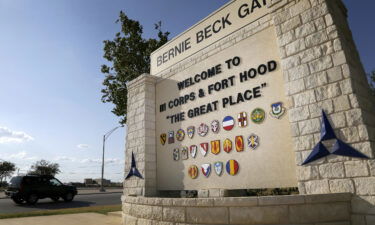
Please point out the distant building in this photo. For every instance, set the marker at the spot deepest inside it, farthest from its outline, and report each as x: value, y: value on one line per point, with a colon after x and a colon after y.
x: 88, y: 181
x: 105, y: 181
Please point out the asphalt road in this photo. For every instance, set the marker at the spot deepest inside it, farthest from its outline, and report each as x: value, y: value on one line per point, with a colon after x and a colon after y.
x: 8, y: 206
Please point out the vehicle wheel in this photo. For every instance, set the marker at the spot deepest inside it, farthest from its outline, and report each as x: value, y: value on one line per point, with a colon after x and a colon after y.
x: 32, y: 199
x: 68, y: 197
x: 55, y: 199
x: 17, y: 200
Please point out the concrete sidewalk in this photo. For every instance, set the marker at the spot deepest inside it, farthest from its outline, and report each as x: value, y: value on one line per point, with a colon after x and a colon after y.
x: 85, y: 191
x: 69, y: 219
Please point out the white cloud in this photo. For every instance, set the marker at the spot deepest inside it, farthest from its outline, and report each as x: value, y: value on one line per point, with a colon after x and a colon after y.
x: 83, y: 146
x: 65, y: 158
x: 9, y: 136
x: 107, y: 161
x: 19, y: 155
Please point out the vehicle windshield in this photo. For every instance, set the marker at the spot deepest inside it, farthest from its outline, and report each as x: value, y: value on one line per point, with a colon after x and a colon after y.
x: 15, y: 182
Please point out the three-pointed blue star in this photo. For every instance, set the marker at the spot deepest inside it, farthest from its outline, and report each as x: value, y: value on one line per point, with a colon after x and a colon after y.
x: 133, y: 170
x: 339, y: 147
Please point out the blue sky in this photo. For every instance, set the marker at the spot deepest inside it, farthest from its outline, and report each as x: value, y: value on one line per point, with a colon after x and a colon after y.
x: 50, y: 57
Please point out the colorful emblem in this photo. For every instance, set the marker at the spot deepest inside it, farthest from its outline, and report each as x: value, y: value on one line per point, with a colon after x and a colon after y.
x: 258, y: 115
x: 215, y: 126
x: 191, y: 131
x: 239, y: 143
x: 253, y: 141
x: 203, y: 148
x: 176, y: 154
x: 215, y: 147
x: 232, y: 167
x: 227, y: 145
x: 218, y: 168
x: 206, y: 169
x: 242, y: 119
x: 203, y: 129
x: 193, y: 171
x: 163, y: 138
x: 277, y: 110
x: 170, y: 137
x: 193, y: 150
x: 228, y: 123
x: 184, y: 153
x: 180, y: 135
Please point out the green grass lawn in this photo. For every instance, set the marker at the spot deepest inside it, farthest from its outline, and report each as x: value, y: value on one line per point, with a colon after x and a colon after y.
x: 95, y: 209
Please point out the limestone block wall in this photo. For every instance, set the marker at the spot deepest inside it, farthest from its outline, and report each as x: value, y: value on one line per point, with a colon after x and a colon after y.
x: 322, y: 70
x: 141, y: 136
x: 329, y: 209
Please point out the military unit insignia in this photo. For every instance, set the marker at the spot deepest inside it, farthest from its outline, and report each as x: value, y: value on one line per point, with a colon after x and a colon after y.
x: 133, y: 169
x: 215, y: 126
x: 258, y: 115
x: 239, y: 143
x: 218, y: 166
x: 193, y: 171
x: 232, y: 167
x: 163, y: 138
x: 176, y: 154
x: 203, y: 148
x: 215, y: 147
x: 180, y: 135
x: 170, y: 137
x: 277, y: 110
x: 191, y: 131
x: 193, y: 150
x: 206, y: 169
x: 242, y: 119
x: 184, y: 153
x: 228, y: 123
x: 253, y: 141
x: 227, y: 145
x: 203, y: 129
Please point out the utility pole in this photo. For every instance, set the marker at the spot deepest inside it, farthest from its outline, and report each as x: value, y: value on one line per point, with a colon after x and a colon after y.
x: 105, y: 136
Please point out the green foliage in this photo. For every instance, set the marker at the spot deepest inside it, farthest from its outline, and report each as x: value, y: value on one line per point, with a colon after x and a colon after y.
x: 372, y: 81
x: 44, y: 167
x: 129, y: 55
x: 273, y: 191
x: 6, y: 170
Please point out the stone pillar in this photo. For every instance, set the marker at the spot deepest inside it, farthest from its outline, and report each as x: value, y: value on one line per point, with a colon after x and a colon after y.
x: 322, y: 70
x: 141, y: 136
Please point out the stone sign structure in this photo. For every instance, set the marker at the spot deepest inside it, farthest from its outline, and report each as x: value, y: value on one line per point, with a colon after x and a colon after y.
x: 235, y: 102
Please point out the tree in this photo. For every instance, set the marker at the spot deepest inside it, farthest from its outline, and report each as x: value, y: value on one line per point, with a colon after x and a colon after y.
x: 6, y: 170
x: 372, y: 81
x: 43, y: 167
x: 129, y: 54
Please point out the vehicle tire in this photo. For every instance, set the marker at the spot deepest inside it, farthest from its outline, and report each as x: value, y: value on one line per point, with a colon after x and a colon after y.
x: 68, y: 197
x: 32, y: 199
x: 55, y: 199
x: 17, y: 200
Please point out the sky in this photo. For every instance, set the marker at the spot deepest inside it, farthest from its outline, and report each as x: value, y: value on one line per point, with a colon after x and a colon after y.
x: 50, y: 79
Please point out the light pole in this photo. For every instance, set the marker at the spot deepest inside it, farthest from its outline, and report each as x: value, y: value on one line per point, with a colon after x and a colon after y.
x: 105, y: 136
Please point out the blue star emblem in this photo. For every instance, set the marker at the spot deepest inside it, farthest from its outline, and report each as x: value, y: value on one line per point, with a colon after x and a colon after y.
x: 133, y: 170
x: 339, y: 147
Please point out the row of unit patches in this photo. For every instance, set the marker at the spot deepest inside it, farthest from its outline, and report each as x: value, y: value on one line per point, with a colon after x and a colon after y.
x: 231, y: 167
x: 252, y: 143
x: 257, y: 116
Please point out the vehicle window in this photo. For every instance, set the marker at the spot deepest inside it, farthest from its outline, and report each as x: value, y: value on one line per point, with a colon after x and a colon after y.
x: 54, y: 182
x: 15, y: 181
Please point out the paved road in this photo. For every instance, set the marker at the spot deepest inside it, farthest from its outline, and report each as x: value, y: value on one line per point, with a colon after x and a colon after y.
x: 7, y: 205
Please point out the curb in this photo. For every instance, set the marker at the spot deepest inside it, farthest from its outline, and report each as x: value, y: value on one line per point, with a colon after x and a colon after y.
x: 91, y: 193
